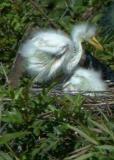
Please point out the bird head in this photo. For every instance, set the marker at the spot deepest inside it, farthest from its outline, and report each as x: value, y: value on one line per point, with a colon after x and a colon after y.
x: 86, y: 32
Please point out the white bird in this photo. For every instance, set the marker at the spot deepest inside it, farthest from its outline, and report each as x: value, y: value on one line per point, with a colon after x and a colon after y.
x: 51, y: 52
x: 85, y: 80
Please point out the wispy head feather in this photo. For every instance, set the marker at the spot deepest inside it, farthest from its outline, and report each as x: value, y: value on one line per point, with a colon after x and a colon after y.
x: 83, y: 31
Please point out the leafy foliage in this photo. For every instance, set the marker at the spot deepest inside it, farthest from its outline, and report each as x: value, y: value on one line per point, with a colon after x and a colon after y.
x: 44, y: 127
x: 40, y: 126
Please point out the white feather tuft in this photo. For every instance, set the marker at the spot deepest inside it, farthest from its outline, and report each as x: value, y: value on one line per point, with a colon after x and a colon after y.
x: 83, y: 31
x: 85, y: 80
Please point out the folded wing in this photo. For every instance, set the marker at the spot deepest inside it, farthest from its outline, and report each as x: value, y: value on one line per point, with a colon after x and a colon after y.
x: 45, y: 52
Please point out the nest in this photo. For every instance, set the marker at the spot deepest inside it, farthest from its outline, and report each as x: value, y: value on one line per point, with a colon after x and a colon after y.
x: 93, y: 100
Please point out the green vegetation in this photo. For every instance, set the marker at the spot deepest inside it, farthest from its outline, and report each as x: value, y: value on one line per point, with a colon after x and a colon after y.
x: 43, y: 127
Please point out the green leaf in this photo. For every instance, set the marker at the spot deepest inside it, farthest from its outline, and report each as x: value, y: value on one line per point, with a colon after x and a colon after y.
x: 13, y: 116
x: 83, y: 134
x: 106, y: 147
x: 10, y: 136
x: 5, y: 156
x: 103, y: 127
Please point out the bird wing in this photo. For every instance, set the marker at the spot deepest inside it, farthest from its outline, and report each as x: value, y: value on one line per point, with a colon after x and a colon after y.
x: 43, y: 53
x: 53, y: 43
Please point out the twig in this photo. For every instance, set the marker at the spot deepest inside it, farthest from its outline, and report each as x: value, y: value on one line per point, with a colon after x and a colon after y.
x: 13, y: 153
x: 79, y: 150
x: 45, y: 115
x: 65, y: 11
x: 75, y: 156
x: 39, y: 8
x: 99, y: 104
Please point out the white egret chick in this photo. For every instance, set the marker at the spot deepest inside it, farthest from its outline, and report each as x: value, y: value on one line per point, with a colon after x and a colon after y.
x: 51, y: 53
x: 85, y: 80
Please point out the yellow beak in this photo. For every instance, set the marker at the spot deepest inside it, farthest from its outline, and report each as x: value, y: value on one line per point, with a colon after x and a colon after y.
x: 95, y: 43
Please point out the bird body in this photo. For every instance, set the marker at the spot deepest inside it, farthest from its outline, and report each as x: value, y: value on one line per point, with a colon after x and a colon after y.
x: 51, y: 52
x: 85, y: 80
x: 48, y: 53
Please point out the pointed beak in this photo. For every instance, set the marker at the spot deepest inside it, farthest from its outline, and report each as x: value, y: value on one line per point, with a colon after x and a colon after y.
x: 95, y: 43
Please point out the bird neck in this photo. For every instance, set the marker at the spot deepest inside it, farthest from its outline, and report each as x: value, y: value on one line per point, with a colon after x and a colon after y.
x: 78, y: 50
x: 74, y: 56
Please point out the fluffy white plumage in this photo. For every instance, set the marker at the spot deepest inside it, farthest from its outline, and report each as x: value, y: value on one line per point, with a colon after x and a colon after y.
x: 83, y: 31
x: 50, y: 52
x: 85, y: 80
x: 45, y: 53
